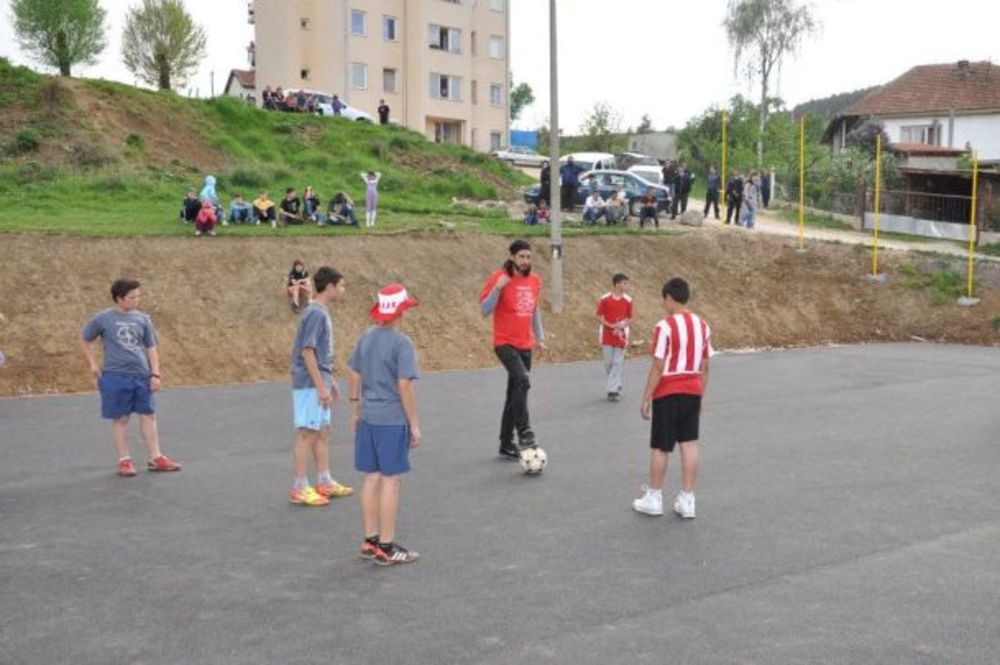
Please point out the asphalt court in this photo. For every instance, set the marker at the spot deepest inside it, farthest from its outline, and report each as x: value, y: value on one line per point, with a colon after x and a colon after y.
x: 847, y: 513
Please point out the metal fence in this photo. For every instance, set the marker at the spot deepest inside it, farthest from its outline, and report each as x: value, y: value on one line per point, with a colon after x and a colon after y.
x: 921, y: 205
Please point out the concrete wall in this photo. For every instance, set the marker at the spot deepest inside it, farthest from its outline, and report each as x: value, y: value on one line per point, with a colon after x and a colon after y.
x: 662, y: 145
x: 918, y: 227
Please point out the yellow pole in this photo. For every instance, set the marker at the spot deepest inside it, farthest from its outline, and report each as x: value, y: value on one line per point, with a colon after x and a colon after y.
x: 722, y: 192
x: 802, y: 179
x: 972, y: 218
x: 878, y: 192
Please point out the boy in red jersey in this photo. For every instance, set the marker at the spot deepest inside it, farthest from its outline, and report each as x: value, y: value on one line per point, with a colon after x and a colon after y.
x: 511, y: 295
x: 678, y: 377
x: 614, y: 312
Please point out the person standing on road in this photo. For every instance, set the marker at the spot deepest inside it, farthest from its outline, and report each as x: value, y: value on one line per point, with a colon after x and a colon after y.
x: 569, y: 176
x: 734, y: 198
x: 314, y: 391
x: 130, y: 375
x: 383, y: 112
x: 765, y: 188
x: 511, y: 295
x: 712, y: 186
x: 545, y: 184
x: 670, y: 178
x: 678, y: 378
x: 751, y: 199
x: 683, y: 182
x: 614, y: 313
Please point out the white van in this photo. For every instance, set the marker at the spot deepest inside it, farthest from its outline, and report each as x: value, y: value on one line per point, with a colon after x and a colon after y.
x: 591, y: 161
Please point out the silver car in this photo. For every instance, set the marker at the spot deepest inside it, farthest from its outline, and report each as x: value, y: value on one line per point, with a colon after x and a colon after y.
x: 519, y: 154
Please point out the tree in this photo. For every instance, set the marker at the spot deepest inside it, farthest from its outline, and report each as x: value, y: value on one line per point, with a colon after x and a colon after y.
x: 521, y: 96
x: 602, y: 130
x: 645, y: 125
x: 161, y: 44
x: 60, y: 33
x: 761, y: 33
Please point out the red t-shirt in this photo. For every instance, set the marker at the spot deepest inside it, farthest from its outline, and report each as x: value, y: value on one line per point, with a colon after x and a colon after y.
x: 614, y: 309
x: 683, y: 341
x: 514, y: 310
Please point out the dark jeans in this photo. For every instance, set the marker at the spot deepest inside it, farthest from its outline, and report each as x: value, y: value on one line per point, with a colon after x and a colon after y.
x: 712, y: 199
x: 515, y: 418
x: 567, y: 197
x: 733, y: 208
x: 680, y: 205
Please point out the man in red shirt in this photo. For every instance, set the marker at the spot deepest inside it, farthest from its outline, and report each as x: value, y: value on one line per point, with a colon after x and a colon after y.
x: 511, y: 295
x: 614, y: 312
x: 678, y: 377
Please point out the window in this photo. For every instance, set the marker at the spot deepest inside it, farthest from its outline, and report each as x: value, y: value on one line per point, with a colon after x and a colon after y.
x: 496, y: 140
x: 358, y: 23
x: 925, y: 134
x: 304, y: 23
x: 473, y: 140
x: 389, y: 28
x: 304, y: 74
x: 445, y: 39
x: 496, y: 95
x: 496, y: 5
x: 496, y: 47
x: 472, y: 42
x: 446, y: 87
x: 359, y: 75
x: 448, y: 132
x: 389, y: 80
x: 474, y: 94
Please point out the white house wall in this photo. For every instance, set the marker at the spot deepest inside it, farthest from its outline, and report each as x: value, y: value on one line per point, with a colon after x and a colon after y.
x: 982, y: 132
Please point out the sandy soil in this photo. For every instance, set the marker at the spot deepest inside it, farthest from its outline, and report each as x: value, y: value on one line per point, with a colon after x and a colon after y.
x: 222, y: 315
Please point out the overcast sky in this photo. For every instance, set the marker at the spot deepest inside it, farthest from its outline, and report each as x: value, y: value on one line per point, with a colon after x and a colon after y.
x: 666, y: 58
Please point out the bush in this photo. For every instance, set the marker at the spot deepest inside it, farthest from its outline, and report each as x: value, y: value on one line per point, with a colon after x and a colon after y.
x: 248, y: 179
x: 283, y: 128
x: 90, y: 156
x: 35, y: 172
x: 25, y: 141
x: 135, y: 142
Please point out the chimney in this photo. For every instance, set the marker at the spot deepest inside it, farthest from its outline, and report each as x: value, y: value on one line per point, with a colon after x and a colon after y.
x: 963, y: 68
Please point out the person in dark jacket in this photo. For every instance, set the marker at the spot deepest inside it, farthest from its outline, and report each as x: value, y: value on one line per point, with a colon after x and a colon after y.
x: 669, y: 177
x: 545, y: 184
x: 734, y: 198
x: 765, y: 188
x: 684, y: 180
x: 569, y: 176
x: 712, y: 186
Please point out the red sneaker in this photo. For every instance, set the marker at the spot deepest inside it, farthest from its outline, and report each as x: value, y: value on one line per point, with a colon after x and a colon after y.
x: 125, y: 467
x: 162, y: 463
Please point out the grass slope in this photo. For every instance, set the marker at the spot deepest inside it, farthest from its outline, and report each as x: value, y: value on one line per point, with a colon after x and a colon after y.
x: 92, y: 157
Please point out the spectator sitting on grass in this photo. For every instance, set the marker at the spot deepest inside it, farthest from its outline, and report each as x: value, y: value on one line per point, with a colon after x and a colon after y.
x: 311, y: 204
x: 208, y: 194
x: 543, y: 212
x: 290, y: 209
x: 263, y: 209
x: 617, y: 206
x: 531, y: 214
x: 205, y: 222
x: 302, y: 101
x: 279, y: 99
x: 594, y: 208
x: 190, y: 207
x: 298, y: 284
x: 240, y: 212
x: 648, y: 210
x: 341, y: 210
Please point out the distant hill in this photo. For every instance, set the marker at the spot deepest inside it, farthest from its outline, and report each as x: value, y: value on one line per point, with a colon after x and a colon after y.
x: 828, y: 107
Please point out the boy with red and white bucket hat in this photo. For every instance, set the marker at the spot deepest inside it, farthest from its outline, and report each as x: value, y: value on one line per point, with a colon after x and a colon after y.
x: 384, y: 417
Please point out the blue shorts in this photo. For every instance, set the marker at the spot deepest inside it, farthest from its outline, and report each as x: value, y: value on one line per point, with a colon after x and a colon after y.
x: 306, y: 411
x: 124, y: 394
x: 382, y: 449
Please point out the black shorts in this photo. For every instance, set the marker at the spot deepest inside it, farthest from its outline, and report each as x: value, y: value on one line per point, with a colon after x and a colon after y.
x: 675, y: 420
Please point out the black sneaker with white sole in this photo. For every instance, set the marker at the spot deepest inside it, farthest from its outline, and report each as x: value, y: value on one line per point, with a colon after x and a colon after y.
x: 392, y: 554
x: 510, y: 451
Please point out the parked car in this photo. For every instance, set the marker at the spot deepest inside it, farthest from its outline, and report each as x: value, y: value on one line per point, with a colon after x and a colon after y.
x: 644, y: 166
x: 605, y: 181
x: 519, y: 154
x: 591, y: 161
x: 324, y: 105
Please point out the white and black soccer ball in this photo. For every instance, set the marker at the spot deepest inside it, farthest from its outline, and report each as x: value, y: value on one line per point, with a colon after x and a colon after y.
x: 533, y: 461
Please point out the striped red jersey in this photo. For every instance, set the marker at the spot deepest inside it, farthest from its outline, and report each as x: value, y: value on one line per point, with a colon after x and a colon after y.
x: 683, y: 341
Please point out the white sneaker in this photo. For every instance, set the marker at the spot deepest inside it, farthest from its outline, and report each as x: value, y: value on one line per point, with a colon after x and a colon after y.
x: 684, y: 505
x: 651, y: 502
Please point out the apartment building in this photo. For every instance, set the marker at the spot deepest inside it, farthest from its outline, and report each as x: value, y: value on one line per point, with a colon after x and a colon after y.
x: 442, y: 66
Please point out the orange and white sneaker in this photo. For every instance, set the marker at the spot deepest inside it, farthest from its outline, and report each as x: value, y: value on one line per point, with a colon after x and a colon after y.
x: 126, y: 467
x: 307, y: 496
x: 162, y: 463
x: 333, y: 490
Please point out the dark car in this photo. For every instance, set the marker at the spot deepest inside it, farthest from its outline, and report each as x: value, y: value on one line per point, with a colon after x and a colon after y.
x: 605, y: 183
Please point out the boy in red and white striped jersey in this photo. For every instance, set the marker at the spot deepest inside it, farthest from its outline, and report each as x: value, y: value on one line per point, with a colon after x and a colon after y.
x: 678, y: 377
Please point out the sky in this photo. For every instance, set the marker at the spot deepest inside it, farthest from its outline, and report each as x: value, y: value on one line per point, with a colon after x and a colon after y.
x: 665, y: 58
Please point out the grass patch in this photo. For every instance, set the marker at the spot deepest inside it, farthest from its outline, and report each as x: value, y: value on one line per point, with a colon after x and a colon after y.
x: 991, y: 249
x: 943, y: 285
x: 815, y: 220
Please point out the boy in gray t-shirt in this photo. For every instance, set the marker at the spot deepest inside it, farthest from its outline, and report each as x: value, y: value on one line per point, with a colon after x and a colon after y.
x: 313, y: 394
x: 130, y: 374
x: 383, y: 368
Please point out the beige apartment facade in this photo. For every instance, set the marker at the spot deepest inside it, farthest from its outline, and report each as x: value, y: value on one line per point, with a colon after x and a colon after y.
x: 442, y: 66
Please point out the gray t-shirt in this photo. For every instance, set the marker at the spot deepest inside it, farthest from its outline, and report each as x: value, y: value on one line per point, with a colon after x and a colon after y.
x: 315, y: 332
x: 382, y: 357
x: 126, y: 336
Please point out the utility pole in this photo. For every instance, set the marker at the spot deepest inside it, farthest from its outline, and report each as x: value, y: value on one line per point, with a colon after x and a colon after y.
x: 555, y: 213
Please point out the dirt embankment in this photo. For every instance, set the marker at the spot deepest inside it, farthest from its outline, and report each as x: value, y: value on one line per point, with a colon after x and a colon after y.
x: 222, y: 315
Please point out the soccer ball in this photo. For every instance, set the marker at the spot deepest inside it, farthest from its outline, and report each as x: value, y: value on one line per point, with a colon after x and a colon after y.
x: 533, y: 461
